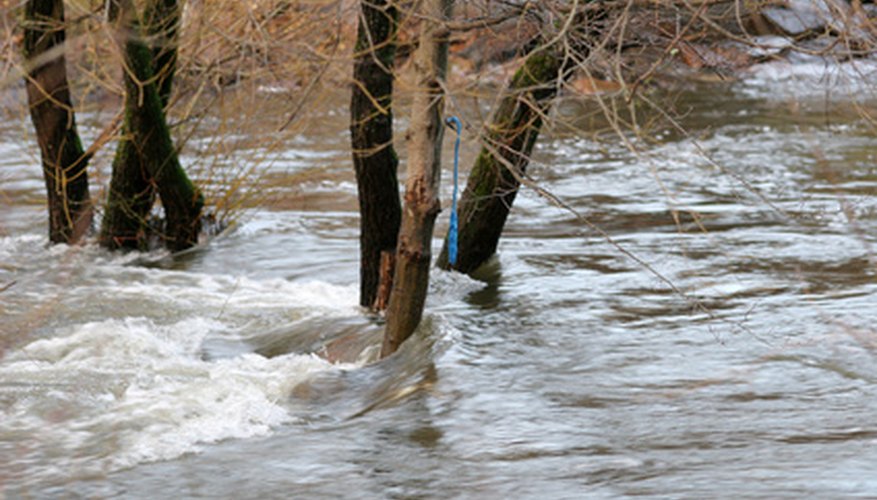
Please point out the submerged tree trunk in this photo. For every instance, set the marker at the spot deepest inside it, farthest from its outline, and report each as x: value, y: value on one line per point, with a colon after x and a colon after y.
x: 146, y: 161
x: 492, y: 187
x: 132, y: 189
x: 374, y: 159
x: 63, y: 159
x: 422, y: 205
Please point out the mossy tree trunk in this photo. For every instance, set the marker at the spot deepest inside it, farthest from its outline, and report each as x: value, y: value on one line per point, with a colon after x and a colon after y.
x: 374, y: 158
x: 511, y: 135
x: 146, y: 160
x: 48, y: 93
x: 161, y: 22
x: 422, y: 205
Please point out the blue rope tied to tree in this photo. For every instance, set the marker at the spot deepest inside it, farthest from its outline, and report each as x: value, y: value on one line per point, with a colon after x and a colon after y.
x: 454, y: 122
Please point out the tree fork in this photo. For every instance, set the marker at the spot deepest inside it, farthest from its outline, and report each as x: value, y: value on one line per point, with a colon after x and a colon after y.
x: 413, y: 253
x: 48, y: 93
x: 146, y: 160
x: 374, y: 158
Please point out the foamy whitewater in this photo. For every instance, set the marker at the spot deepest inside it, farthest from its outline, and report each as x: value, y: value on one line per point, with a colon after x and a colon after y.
x: 568, y: 371
x: 806, y: 76
x: 105, y: 394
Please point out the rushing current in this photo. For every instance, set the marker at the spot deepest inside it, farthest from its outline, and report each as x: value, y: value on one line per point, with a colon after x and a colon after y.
x: 714, y: 337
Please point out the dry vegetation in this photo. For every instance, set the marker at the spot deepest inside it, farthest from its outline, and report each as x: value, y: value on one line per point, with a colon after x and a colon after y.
x: 252, y: 74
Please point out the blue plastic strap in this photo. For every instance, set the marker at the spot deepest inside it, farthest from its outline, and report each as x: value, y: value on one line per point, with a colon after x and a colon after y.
x: 452, y: 230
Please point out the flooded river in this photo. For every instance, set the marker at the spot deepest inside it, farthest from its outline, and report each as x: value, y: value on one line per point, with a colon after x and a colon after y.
x: 564, y: 370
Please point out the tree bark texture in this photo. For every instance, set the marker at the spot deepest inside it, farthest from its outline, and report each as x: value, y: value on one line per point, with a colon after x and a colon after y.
x: 371, y: 134
x: 146, y: 161
x: 422, y: 204
x: 48, y: 93
x: 511, y: 134
x: 161, y: 20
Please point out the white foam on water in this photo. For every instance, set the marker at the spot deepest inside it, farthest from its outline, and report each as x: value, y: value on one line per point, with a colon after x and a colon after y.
x: 232, y: 292
x: 812, y: 78
x: 118, y: 377
x: 103, y: 284
x: 115, y: 393
x: 11, y: 245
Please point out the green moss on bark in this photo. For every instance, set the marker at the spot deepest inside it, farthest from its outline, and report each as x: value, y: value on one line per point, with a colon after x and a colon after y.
x: 491, y: 188
x: 147, y: 162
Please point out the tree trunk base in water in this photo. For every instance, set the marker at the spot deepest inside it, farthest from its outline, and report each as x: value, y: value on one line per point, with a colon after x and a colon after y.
x: 146, y: 162
x: 492, y: 186
x: 48, y: 94
x: 388, y: 267
x: 422, y: 205
x: 371, y: 137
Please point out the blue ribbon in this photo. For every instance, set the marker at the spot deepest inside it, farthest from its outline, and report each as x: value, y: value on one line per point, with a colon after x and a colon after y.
x: 452, y: 230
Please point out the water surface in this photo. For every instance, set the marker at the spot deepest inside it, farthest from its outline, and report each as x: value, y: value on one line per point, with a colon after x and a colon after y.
x: 565, y: 369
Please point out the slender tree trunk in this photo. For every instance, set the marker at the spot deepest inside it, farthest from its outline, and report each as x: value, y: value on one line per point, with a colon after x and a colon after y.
x: 146, y: 161
x: 422, y: 204
x: 512, y: 133
x: 48, y: 93
x: 374, y: 158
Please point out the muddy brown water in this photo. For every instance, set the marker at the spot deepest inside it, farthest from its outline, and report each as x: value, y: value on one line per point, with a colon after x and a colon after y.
x: 563, y: 370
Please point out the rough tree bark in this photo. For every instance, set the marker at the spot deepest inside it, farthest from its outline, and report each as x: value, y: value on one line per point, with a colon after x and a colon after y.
x: 422, y: 205
x: 374, y: 158
x: 48, y: 93
x: 161, y: 21
x: 512, y: 133
x: 146, y: 161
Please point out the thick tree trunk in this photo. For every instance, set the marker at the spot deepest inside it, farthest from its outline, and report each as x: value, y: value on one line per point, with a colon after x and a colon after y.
x: 492, y: 187
x: 371, y: 135
x: 63, y: 159
x: 413, y: 253
x: 146, y: 161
